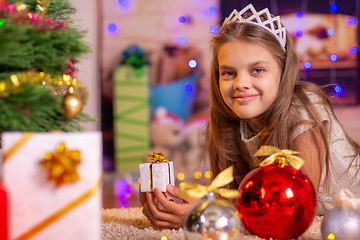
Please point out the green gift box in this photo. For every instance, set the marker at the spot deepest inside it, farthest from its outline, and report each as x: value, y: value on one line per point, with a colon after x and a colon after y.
x: 131, y: 117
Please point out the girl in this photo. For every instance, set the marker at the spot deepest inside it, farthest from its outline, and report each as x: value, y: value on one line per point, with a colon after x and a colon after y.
x: 257, y: 99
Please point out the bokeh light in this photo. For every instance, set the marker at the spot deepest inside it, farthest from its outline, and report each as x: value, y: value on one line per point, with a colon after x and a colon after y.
x: 354, y: 50
x: 333, y: 57
x: 197, y: 175
x: 192, y: 63
x: 330, y: 31
x: 299, y: 15
x: 307, y: 65
x: 352, y: 21
x: 112, y: 28
x: 182, y: 40
x: 182, y: 19
x: 334, y: 7
x: 212, y: 9
x: 188, y: 87
x: 180, y: 176
x: 299, y: 34
x: 337, y: 88
x: 214, y: 29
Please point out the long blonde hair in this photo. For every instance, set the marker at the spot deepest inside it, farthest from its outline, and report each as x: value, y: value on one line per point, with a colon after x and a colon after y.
x: 223, y: 130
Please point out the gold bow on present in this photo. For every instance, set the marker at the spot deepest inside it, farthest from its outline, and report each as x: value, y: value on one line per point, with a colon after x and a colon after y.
x: 158, y: 157
x: 276, y: 154
x: 192, y: 190
x: 347, y: 200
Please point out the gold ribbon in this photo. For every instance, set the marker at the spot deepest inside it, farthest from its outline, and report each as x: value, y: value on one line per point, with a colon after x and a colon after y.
x: 192, y: 190
x: 276, y: 154
x: 158, y: 157
x: 63, y: 211
x: 347, y: 200
x: 25, y: 137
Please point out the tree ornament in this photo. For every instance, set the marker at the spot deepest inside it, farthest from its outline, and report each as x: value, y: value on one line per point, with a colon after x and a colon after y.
x: 71, y: 104
x: 342, y: 221
x: 212, y: 218
x: 276, y: 199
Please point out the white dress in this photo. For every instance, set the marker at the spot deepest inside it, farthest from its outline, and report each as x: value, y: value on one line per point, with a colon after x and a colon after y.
x: 341, y: 155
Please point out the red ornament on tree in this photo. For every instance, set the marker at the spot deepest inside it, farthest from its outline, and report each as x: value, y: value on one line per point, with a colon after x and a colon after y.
x: 277, y: 200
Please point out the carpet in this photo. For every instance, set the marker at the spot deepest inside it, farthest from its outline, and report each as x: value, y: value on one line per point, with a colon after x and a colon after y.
x: 130, y: 223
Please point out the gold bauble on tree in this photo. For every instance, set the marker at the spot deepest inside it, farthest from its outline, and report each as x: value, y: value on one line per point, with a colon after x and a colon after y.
x: 71, y: 104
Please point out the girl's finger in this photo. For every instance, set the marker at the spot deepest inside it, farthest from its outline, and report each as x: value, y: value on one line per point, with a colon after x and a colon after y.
x: 155, y: 221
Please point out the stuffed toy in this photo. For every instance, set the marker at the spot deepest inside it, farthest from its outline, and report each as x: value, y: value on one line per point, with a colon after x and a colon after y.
x: 195, y: 158
x: 167, y: 136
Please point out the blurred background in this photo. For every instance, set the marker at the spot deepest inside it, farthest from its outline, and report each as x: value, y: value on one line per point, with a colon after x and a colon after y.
x: 148, y: 75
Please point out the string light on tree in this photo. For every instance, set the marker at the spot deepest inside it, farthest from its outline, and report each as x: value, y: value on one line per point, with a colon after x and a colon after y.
x: 338, y: 89
x: 212, y: 9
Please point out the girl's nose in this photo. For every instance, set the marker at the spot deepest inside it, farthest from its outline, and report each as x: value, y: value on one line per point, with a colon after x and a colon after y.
x: 242, y: 82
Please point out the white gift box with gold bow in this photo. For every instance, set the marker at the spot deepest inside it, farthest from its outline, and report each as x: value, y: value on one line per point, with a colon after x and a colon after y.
x: 153, y: 175
x: 54, y: 184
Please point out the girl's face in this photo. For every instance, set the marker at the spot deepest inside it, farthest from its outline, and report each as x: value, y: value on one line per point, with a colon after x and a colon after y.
x: 249, y: 78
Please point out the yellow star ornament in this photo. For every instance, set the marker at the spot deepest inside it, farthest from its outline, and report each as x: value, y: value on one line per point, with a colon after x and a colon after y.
x: 62, y: 165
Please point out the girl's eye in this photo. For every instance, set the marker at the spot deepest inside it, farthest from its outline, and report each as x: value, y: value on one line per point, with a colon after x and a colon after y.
x: 257, y: 70
x: 228, y: 74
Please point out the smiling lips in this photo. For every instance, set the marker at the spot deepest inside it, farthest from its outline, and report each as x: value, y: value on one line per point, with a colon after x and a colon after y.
x: 245, y: 98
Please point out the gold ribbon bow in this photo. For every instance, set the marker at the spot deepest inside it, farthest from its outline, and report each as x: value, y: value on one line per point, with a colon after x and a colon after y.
x: 192, y: 190
x: 347, y: 200
x: 276, y: 153
x: 158, y: 157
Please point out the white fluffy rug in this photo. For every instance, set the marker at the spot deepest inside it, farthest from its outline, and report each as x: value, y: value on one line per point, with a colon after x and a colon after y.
x: 130, y: 223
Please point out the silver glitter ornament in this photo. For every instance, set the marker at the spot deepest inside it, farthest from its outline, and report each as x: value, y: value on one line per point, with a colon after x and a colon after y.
x: 213, y: 218
x: 341, y: 224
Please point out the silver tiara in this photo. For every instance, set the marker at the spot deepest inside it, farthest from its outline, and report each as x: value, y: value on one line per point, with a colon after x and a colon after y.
x: 272, y: 24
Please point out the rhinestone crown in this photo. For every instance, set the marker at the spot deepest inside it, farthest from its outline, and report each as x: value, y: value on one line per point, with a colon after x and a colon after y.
x: 271, y: 24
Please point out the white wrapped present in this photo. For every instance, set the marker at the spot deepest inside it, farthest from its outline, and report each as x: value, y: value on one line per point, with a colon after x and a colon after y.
x: 157, y: 174
x: 54, y: 184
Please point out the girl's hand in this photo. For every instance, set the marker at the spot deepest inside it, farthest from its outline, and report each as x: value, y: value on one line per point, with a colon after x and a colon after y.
x: 164, y: 212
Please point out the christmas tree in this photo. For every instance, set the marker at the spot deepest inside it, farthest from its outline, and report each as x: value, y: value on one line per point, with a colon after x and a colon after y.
x: 39, y: 46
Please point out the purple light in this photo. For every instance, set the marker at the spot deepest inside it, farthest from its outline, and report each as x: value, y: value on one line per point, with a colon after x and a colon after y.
x: 182, y: 19
x: 189, y: 88
x: 353, y: 50
x: 214, y: 29
x: 307, y: 65
x: 334, y: 7
x: 182, y: 40
x: 330, y: 31
x: 333, y: 57
x: 122, y: 188
x: 112, y: 28
x: 299, y: 15
x: 299, y: 34
x: 337, y: 88
x: 352, y: 21
x: 192, y: 63
x: 212, y: 9
x: 123, y: 3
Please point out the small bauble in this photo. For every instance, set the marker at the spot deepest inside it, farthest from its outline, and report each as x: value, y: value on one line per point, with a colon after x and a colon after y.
x: 339, y: 223
x: 71, y: 105
x: 214, y: 219
x: 276, y: 201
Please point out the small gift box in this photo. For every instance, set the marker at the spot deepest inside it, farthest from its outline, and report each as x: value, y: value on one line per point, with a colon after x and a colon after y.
x: 156, y: 174
x: 54, y: 184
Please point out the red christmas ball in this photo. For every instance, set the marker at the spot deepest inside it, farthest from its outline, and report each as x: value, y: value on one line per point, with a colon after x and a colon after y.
x: 276, y: 201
